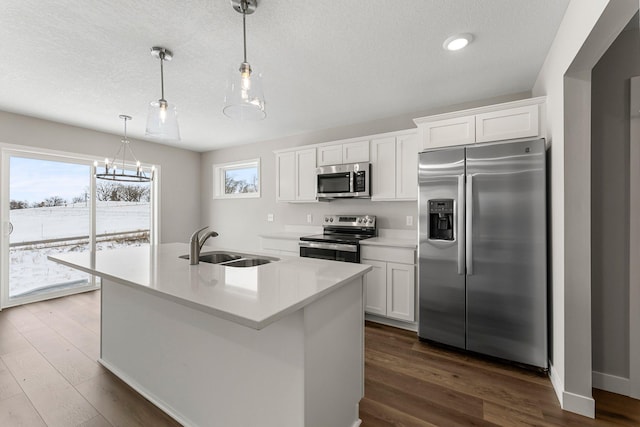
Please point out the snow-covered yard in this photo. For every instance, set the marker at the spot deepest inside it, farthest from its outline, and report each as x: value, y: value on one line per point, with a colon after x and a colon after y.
x: 29, y: 268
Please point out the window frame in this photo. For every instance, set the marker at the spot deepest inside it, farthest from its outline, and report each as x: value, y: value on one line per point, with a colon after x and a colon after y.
x: 219, y: 173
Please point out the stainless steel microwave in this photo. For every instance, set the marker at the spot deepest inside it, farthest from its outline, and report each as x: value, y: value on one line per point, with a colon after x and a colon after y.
x: 350, y: 180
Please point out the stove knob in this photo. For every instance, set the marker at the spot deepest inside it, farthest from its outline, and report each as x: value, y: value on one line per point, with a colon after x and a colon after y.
x: 331, y: 219
x: 326, y: 219
x: 359, y: 219
x: 370, y: 220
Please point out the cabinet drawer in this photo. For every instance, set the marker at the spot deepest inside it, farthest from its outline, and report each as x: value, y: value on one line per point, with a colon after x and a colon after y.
x: 388, y: 254
x: 513, y: 123
x: 286, y: 245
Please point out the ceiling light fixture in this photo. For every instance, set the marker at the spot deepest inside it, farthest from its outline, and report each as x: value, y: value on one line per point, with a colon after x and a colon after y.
x: 457, y: 42
x: 162, y: 120
x: 244, y: 99
x: 114, y: 170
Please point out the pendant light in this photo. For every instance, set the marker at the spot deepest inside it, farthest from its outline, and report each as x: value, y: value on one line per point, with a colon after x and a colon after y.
x: 116, y: 169
x: 162, y: 120
x: 244, y: 99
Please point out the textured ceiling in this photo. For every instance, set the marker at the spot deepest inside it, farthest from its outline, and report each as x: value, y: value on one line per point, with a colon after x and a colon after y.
x: 326, y: 63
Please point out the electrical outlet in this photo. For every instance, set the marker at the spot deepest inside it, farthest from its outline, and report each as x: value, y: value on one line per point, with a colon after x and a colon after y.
x: 309, y: 218
x: 270, y: 217
x: 409, y: 220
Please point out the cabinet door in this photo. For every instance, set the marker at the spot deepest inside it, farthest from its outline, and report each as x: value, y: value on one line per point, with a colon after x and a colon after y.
x: 383, y: 169
x: 375, y: 285
x: 330, y: 155
x: 520, y: 122
x: 407, y: 167
x: 306, y: 175
x: 401, y: 291
x: 355, y: 152
x: 444, y: 133
x: 285, y: 176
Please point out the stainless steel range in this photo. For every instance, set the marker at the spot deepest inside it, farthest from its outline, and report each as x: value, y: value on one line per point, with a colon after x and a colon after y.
x: 340, y: 240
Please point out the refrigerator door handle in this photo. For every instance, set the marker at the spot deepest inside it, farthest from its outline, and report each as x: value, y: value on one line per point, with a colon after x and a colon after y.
x: 460, y: 224
x: 469, y: 222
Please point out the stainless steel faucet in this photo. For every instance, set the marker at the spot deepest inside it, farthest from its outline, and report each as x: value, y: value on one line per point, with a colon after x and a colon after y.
x: 195, y: 244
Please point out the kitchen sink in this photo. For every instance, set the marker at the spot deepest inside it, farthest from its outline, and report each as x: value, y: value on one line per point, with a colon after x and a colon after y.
x: 233, y: 259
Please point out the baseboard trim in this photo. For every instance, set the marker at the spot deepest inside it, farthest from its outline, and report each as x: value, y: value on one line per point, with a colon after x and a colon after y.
x: 612, y: 383
x: 556, y: 382
x: 147, y: 395
x: 581, y: 405
x: 409, y: 326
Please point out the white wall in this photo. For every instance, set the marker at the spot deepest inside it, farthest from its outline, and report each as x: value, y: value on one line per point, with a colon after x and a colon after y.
x: 180, y: 169
x: 240, y: 221
x: 610, y: 205
x: 587, y: 30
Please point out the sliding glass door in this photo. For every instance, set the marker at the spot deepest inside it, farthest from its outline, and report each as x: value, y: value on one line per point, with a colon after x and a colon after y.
x: 53, y: 205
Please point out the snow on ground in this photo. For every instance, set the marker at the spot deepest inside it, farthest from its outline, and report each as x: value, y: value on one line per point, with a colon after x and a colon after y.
x: 29, y: 268
x: 73, y: 220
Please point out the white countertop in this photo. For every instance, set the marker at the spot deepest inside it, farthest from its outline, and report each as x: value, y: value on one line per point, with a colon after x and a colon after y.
x: 251, y: 296
x: 389, y: 241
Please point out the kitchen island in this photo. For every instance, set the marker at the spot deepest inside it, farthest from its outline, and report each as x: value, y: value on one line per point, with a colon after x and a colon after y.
x: 280, y: 344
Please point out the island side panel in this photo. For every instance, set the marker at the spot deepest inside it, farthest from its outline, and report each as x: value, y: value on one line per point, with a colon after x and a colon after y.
x: 334, y: 357
x: 200, y: 369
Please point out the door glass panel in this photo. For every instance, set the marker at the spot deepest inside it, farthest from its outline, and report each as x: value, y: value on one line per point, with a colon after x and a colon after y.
x: 49, y: 214
x: 123, y: 214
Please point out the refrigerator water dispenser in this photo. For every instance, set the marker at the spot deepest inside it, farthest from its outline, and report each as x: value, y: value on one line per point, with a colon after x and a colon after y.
x: 441, y: 219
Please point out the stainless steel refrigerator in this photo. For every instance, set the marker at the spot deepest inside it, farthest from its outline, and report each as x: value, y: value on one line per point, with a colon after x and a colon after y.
x: 483, y: 249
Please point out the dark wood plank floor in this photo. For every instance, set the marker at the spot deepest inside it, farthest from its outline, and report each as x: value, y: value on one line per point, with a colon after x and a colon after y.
x: 49, y: 377
x: 411, y: 383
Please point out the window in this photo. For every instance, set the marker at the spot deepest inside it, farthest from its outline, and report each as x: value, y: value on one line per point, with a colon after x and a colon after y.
x: 236, y: 179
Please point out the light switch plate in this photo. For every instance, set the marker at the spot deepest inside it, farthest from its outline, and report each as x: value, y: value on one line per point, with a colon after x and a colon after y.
x: 309, y: 218
x: 409, y: 220
x: 270, y: 217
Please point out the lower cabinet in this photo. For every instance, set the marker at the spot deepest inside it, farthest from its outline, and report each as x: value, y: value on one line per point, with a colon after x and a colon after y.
x: 390, y: 287
x: 277, y: 246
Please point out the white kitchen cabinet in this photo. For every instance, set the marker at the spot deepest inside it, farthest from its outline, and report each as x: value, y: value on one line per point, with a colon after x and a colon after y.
x: 278, y: 246
x: 394, y: 163
x: 407, y: 167
x: 383, y: 169
x: 296, y: 176
x: 330, y: 155
x: 444, y: 133
x: 349, y: 152
x: 375, y: 288
x: 512, y: 123
x: 390, y: 286
x: 355, y: 152
x: 401, y: 291
x: 306, y: 175
x: 511, y: 120
x: 285, y: 176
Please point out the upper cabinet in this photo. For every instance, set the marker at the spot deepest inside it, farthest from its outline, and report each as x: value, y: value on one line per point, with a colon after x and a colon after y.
x: 394, y: 167
x: 296, y: 176
x: 350, y: 152
x: 511, y: 120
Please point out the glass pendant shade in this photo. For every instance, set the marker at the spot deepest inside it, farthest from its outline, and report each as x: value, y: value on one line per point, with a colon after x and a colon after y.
x: 162, y: 121
x: 244, y: 99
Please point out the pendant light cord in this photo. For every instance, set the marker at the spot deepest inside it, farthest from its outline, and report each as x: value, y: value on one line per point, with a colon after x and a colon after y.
x: 244, y: 29
x: 161, y: 76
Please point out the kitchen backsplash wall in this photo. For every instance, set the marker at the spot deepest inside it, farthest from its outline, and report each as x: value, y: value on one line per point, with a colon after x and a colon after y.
x: 241, y: 221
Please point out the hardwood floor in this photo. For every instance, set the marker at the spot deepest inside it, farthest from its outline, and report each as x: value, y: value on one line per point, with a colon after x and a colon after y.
x: 49, y: 377
x: 411, y: 383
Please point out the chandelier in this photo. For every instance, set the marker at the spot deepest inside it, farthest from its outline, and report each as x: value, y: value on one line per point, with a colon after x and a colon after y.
x: 116, y: 169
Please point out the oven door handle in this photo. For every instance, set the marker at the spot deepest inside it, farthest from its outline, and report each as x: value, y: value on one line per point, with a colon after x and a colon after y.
x: 329, y: 246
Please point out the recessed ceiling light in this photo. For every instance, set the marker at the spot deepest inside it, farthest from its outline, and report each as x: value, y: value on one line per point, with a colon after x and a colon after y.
x: 457, y: 42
